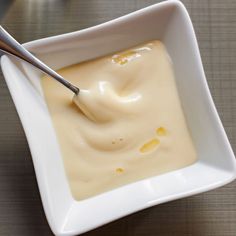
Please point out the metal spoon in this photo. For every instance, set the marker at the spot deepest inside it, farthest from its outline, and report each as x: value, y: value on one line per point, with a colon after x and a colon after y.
x: 9, y: 45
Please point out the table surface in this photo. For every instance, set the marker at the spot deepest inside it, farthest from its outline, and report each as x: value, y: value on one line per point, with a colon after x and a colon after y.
x: 209, y: 214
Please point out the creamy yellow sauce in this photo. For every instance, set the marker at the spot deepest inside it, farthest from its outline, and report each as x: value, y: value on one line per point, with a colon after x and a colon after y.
x: 125, y: 125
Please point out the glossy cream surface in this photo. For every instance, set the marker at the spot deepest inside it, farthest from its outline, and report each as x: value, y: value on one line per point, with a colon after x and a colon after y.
x: 125, y: 125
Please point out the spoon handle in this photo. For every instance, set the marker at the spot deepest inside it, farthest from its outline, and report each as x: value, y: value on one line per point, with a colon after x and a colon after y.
x: 9, y: 45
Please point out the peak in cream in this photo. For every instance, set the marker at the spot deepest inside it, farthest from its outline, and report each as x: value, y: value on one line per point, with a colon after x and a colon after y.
x: 125, y: 125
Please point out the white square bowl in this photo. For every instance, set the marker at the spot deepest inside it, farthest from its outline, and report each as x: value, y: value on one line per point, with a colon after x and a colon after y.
x: 169, y: 22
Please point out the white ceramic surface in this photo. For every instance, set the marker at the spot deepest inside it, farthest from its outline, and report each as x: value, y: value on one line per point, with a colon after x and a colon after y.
x: 168, y: 21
